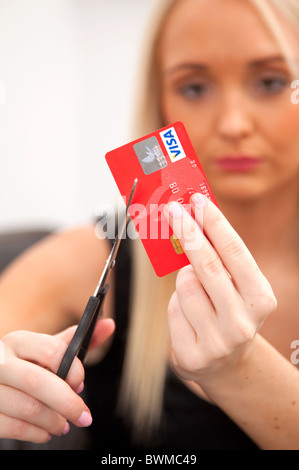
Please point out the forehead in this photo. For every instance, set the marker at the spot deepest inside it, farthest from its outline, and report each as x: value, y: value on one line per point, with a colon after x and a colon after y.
x: 220, y: 30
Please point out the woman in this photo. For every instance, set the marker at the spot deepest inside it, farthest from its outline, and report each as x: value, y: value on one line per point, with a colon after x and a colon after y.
x: 222, y: 378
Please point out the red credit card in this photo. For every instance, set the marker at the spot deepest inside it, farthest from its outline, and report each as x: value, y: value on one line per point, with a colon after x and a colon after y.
x: 167, y: 168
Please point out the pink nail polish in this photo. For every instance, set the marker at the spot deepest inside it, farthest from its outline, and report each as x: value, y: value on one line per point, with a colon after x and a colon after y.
x: 85, y: 419
x: 66, y: 428
x: 80, y: 388
x: 175, y: 210
x: 199, y: 200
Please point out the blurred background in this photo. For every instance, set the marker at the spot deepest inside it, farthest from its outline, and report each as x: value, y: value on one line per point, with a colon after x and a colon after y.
x: 67, y: 75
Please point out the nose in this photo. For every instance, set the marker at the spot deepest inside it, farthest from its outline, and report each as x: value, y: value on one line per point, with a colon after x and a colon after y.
x: 235, y: 121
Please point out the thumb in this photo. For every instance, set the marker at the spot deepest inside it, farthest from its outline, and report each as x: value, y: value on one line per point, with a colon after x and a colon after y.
x: 103, y: 330
x: 67, y: 334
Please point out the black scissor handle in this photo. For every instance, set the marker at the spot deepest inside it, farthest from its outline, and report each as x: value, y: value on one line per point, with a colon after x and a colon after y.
x: 82, y: 336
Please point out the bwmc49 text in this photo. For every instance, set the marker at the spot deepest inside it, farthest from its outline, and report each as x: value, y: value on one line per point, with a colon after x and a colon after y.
x: 170, y: 459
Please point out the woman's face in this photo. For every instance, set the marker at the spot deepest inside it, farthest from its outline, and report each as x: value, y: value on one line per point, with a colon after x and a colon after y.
x: 224, y: 76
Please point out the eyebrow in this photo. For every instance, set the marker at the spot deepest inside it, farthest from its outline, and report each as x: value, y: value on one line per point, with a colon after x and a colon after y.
x: 185, y: 66
x: 267, y: 60
x: 202, y: 67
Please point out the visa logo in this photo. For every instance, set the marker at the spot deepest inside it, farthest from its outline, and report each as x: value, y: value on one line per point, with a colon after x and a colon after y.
x: 172, y: 144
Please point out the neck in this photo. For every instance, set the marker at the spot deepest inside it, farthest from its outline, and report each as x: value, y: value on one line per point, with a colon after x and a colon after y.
x: 267, y: 225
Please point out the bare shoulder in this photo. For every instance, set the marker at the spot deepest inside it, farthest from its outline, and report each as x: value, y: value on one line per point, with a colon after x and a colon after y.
x: 46, y: 288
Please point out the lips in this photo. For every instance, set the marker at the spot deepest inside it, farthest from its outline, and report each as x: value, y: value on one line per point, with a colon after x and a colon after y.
x: 238, y: 163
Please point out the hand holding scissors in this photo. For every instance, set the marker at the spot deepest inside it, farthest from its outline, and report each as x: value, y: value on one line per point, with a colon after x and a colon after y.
x: 83, y: 334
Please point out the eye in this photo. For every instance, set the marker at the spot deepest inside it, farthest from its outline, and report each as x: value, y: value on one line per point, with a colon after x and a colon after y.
x: 193, y: 91
x: 271, y: 85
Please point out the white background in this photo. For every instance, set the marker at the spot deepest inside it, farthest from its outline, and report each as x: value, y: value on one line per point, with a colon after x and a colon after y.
x: 67, y: 75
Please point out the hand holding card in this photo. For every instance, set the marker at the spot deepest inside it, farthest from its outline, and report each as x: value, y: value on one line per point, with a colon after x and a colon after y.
x: 167, y: 169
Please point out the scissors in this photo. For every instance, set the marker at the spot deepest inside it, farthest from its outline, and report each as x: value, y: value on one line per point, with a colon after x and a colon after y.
x: 83, y: 334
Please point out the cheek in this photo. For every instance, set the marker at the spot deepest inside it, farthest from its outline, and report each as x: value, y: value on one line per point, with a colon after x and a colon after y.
x: 197, y: 120
x: 172, y: 108
x: 283, y: 129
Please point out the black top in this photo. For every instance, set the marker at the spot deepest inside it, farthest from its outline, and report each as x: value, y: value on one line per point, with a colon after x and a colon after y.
x: 188, y: 423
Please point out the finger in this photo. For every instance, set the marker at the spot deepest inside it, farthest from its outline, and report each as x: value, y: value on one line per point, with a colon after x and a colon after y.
x: 104, y: 329
x: 234, y: 254
x: 18, y: 405
x: 47, y: 351
x: 67, y: 334
x: 190, y: 351
x: 204, y: 259
x: 182, y: 334
x: 12, y: 428
x: 47, y: 388
x: 195, y: 303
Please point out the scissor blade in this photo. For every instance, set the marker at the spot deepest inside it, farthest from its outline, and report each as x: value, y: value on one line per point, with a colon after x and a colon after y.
x: 118, y: 237
x: 116, y: 242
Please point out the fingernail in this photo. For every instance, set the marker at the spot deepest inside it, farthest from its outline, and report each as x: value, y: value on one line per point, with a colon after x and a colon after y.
x: 199, y: 200
x: 85, y: 419
x: 66, y: 428
x: 175, y: 210
x: 80, y: 388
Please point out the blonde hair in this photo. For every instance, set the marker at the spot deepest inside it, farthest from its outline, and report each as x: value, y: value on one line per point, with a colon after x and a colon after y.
x: 147, y: 352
